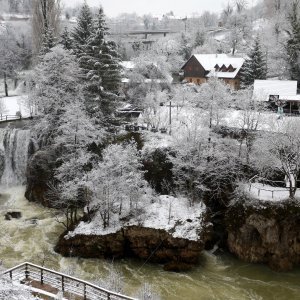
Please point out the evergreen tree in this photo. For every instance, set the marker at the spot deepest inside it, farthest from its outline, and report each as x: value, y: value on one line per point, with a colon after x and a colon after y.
x: 255, y: 67
x: 83, y: 29
x: 293, y: 42
x: 66, y: 40
x: 100, y: 60
x: 199, y: 39
x: 48, y: 41
x: 185, y: 47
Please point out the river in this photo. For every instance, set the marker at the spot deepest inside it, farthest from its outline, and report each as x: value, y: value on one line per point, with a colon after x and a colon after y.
x: 33, y: 236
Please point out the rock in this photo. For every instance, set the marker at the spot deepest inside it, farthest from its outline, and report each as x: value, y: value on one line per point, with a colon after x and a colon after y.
x: 178, y: 267
x: 265, y: 233
x: 149, y: 244
x: 32, y: 221
x: 13, y: 215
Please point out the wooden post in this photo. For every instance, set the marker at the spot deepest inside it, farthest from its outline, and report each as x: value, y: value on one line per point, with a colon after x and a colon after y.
x: 84, y: 291
x: 42, y: 276
x: 62, y: 283
x: 272, y: 194
x: 108, y: 296
x: 10, y: 274
x: 26, y: 271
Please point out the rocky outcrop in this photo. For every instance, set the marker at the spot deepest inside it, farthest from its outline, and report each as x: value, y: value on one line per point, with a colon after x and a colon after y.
x: 154, y: 245
x: 265, y: 232
x: 13, y: 215
x: 40, y: 171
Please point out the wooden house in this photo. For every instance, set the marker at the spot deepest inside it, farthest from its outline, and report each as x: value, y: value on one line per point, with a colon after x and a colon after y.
x: 200, y: 67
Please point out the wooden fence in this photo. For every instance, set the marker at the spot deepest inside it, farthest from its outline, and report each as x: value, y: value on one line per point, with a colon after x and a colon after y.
x: 7, y: 118
x: 270, y: 186
x: 27, y: 272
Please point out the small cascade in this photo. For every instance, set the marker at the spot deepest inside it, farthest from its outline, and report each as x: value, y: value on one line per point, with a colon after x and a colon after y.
x: 15, y: 147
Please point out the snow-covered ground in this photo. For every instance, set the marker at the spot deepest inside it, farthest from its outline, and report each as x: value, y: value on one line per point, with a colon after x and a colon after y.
x: 174, y: 215
x: 265, y: 192
x: 187, y: 121
x: 14, y: 105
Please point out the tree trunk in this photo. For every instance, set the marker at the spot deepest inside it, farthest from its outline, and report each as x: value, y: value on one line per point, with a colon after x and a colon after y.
x: 5, y: 85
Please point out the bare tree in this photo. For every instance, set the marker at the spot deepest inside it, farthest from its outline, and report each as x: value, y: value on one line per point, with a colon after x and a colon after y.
x: 10, y: 56
x: 250, y: 119
x: 280, y: 151
x: 241, y: 5
x: 45, y: 19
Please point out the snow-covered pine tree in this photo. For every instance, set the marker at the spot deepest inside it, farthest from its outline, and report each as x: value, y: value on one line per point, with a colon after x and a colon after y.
x: 101, y: 63
x: 65, y: 39
x: 293, y: 42
x: 48, y: 41
x: 199, y: 39
x: 256, y: 66
x: 83, y: 29
x: 185, y: 47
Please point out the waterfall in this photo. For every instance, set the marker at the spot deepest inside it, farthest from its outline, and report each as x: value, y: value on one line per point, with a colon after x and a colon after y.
x: 14, y: 152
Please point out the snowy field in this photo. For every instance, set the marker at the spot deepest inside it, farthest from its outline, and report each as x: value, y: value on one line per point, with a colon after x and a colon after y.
x: 174, y: 215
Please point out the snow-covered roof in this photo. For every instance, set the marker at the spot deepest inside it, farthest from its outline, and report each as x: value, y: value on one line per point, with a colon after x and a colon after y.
x: 209, y: 61
x: 223, y: 74
x: 286, y: 89
x: 125, y: 80
x: 291, y: 98
x: 127, y: 64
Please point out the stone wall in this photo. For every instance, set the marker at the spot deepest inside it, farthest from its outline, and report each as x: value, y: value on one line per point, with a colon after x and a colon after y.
x: 265, y: 232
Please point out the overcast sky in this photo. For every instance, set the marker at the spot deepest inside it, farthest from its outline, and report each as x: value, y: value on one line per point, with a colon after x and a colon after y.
x: 179, y: 7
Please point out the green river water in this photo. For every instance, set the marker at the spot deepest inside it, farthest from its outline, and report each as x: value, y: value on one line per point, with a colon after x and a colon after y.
x: 221, y: 276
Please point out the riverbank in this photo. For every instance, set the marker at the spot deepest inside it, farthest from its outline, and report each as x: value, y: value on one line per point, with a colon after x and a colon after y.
x: 218, y: 276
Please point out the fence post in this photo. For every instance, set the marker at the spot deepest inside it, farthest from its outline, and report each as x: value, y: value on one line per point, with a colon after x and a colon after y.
x: 62, y: 283
x: 42, y: 276
x: 10, y: 274
x: 108, y: 296
x: 272, y: 194
x: 84, y: 291
x: 258, y: 192
x: 6, y: 118
x: 26, y: 271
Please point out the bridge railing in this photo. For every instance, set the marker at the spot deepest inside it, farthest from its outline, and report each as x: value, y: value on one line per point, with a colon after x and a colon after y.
x: 27, y: 272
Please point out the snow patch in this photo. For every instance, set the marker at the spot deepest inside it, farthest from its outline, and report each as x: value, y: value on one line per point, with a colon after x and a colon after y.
x: 264, y: 192
x: 175, y: 215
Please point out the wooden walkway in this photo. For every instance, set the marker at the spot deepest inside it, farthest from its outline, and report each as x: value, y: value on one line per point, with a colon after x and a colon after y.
x: 47, y: 284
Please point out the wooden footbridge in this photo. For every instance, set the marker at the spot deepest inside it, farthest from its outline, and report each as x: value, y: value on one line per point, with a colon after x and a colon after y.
x: 48, y: 284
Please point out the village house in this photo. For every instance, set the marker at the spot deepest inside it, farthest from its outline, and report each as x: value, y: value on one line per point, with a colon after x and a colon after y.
x: 200, y: 67
x: 278, y: 93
